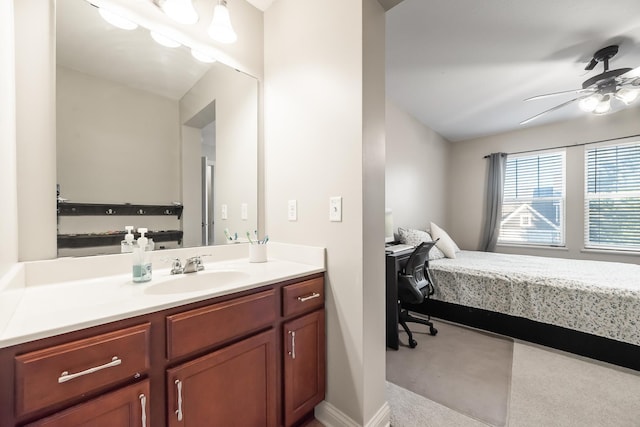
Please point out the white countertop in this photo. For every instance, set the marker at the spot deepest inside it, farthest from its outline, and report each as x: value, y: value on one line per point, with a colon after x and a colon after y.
x: 33, y: 311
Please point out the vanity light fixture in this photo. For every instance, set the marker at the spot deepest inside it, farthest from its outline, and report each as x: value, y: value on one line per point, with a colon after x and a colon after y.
x: 221, y: 29
x: 164, y: 40
x: 117, y: 20
x: 181, y: 11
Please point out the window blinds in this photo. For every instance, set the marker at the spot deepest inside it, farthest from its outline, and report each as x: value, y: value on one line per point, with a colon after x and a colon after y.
x: 534, y: 198
x: 612, y: 197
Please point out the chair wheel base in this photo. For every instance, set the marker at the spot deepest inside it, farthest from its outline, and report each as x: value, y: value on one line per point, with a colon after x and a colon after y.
x: 433, y: 331
x: 413, y: 343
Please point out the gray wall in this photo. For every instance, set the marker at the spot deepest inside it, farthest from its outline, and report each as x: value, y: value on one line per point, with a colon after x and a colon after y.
x: 417, y: 161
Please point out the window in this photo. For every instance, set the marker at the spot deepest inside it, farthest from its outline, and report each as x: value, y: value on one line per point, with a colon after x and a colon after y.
x: 533, y: 202
x: 612, y: 197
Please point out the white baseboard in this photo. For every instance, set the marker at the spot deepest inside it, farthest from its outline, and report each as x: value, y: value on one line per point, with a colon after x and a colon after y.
x: 331, y: 416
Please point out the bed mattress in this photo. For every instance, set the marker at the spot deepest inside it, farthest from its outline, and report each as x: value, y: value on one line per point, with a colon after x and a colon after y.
x: 596, y: 297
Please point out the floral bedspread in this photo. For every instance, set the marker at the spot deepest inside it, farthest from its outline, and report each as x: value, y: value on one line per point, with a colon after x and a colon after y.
x: 600, y: 298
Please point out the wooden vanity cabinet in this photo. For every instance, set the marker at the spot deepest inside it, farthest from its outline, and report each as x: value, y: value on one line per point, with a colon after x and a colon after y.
x: 254, y: 358
x: 125, y: 407
x: 303, y: 348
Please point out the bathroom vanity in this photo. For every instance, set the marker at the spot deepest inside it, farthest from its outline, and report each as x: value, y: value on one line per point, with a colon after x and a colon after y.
x: 247, y: 352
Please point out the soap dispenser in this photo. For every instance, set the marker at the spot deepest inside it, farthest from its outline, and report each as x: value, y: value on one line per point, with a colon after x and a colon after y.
x: 142, y: 259
x: 127, y: 244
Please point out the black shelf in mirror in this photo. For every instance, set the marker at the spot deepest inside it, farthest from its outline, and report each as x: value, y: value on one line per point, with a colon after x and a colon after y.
x: 113, y: 238
x: 95, y: 209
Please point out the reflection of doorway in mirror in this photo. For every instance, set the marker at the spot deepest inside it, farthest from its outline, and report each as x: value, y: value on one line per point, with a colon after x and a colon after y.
x: 207, y: 176
x: 207, y: 202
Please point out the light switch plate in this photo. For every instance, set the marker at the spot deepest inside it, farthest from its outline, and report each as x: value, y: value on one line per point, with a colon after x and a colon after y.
x: 292, y: 210
x: 223, y: 214
x: 335, y: 209
x: 244, y: 211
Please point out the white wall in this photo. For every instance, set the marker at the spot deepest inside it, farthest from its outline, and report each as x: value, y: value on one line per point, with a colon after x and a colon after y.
x: 416, y: 172
x: 468, y: 175
x: 115, y: 144
x: 35, y: 128
x: 8, y: 186
x: 236, y: 170
x: 322, y: 141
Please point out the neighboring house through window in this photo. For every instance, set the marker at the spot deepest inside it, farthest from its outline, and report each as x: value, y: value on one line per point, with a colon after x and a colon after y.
x: 534, y: 200
x: 612, y: 197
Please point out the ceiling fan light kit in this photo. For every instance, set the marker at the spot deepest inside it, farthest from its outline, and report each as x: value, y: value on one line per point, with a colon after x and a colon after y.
x: 597, y: 92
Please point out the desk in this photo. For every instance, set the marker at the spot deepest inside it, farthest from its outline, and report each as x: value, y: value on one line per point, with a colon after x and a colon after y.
x: 394, y: 263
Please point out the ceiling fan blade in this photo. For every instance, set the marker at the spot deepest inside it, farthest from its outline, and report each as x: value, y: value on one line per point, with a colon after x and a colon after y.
x: 634, y: 72
x: 550, y: 110
x: 564, y: 92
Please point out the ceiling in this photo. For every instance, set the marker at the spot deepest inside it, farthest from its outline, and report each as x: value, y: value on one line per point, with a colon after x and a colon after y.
x: 464, y: 67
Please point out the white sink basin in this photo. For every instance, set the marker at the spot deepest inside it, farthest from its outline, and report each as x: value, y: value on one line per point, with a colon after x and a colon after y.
x: 195, y: 282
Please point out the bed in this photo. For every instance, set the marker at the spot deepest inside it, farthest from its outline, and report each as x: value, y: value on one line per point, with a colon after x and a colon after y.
x: 587, y: 307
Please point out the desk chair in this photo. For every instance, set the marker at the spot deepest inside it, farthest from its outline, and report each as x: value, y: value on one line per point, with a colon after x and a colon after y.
x: 414, y: 287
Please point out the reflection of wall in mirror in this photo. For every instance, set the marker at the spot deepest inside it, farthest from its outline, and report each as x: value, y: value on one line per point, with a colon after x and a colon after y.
x: 115, y: 144
x: 234, y: 95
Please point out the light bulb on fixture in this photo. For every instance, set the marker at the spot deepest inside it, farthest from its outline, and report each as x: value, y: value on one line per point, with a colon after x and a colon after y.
x: 202, y: 57
x: 220, y: 29
x: 603, y: 106
x: 163, y: 40
x: 181, y: 11
x: 628, y: 95
x: 590, y: 103
x: 117, y: 20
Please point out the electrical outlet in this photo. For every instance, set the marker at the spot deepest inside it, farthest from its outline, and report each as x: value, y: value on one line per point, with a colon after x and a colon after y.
x: 223, y: 214
x: 292, y: 210
x: 244, y: 211
x: 335, y: 209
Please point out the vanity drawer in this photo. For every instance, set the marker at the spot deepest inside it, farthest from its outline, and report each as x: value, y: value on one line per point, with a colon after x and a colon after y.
x: 302, y: 297
x: 207, y: 326
x: 56, y: 374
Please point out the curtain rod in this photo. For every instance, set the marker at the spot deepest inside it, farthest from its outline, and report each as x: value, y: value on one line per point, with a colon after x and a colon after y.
x: 569, y: 146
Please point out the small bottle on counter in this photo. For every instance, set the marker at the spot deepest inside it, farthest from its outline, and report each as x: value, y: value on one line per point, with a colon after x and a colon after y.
x: 127, y: 245
x: 142, y: 259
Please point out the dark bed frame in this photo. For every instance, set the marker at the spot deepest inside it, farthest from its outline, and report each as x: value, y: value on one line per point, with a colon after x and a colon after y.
x: 580, y: 343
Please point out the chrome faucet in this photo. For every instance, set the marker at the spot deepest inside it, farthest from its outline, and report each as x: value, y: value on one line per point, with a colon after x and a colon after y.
x: 191, y: 265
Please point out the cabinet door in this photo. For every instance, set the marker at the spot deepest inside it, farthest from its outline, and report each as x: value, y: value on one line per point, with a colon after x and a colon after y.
x: 304, y: 365
x: 126, y: 407
x: 234, y: 386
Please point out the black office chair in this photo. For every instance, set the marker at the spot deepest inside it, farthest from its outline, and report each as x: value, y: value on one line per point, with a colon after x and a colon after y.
x: 414, y: 287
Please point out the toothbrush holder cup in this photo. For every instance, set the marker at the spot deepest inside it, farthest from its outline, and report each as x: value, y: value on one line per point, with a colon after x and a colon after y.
x: 257, y: 253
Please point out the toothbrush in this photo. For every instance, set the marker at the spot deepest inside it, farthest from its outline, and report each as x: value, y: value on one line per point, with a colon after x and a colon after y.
x: 249, y: 237
x: 227, y: 235
x: 265, y: 240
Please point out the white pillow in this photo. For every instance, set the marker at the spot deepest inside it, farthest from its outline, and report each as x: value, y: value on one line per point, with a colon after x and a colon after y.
x: 412, y: 237
x: 446, y: 243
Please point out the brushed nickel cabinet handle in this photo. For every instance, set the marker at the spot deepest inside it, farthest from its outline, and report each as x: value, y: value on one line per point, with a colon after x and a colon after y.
x: 66, y: 376
x: 143, y: 404
x: 308, y: 297
x: 292, y: 353
x: 179, y: 411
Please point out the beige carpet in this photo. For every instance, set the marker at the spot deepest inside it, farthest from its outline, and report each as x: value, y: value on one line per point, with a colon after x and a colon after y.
x: 460, y: 368
x: 553, y: 388
x: 409, y: 409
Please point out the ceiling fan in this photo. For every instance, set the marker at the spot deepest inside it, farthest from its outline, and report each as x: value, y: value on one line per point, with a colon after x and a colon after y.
x: 597, y: 92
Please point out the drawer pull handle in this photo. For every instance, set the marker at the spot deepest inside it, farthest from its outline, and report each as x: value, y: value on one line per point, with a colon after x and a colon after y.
x: 143, y: 404
x: 66, y: 376
x: 179, y: 411
x: 292, y: 353
x: 308, y: 297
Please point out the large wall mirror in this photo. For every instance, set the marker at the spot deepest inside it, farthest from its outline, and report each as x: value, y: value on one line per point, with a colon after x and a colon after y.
x: 143, y: 124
